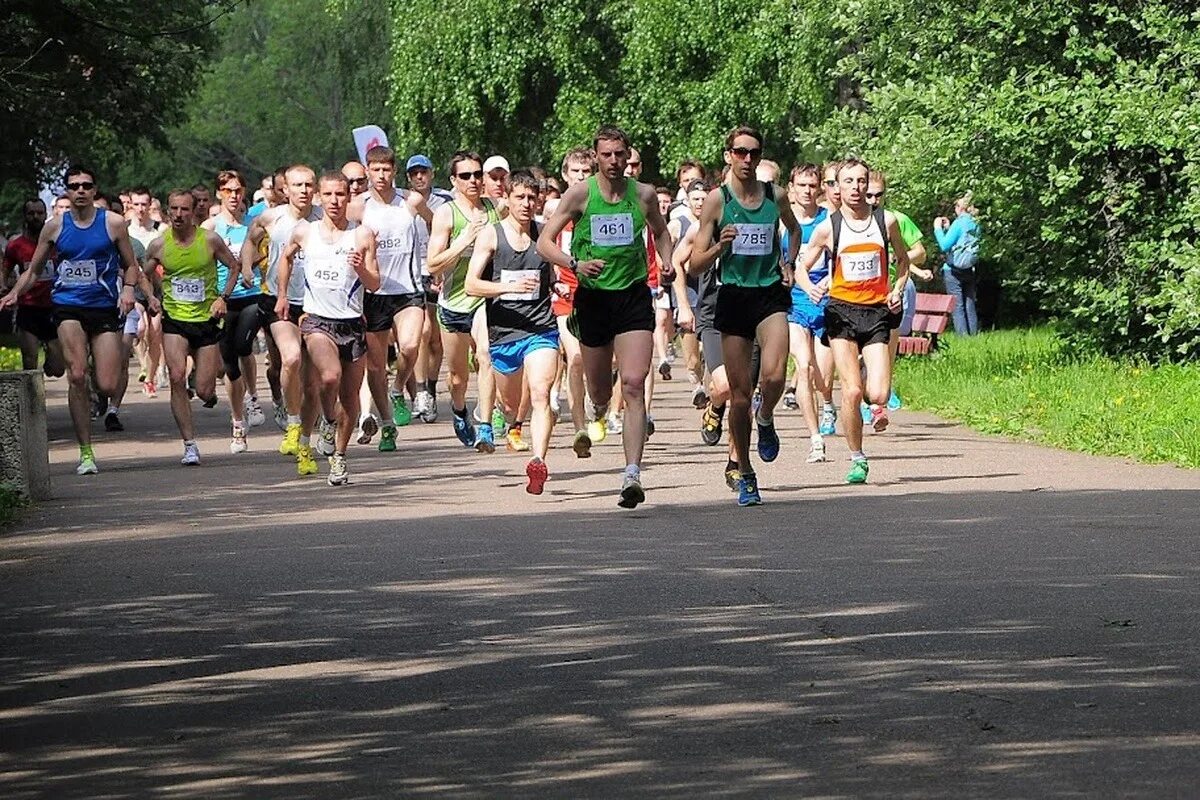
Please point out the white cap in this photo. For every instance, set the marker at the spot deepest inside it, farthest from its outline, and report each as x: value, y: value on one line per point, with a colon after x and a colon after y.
x: 496, y: 162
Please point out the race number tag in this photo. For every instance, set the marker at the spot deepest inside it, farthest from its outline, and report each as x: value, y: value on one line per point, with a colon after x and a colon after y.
x: 612, y: 230
x: 514, y: 275
x: 859, y: 267
x: 754, y: 239
x: 77, y: 273
x: 188, y: 290
x: 326, y: 276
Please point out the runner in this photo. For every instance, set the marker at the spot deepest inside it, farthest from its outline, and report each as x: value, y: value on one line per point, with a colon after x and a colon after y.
x: 523, y: 336
x: 633, y: 166
x: 398, y: 306
x: 34, y: 315
x: 754, y: 298
x: 276, y: 225
x: 678, y: 228
x: 145, y: 328
x: 857, y: 317
x: 495, y: 179
x: 192, y: 306
x: 339, y: 262
x: 452, y: 236
x: 203, y: 202
x: 356, y: 178
x: 274, y: 194
x: 428, y: 366
x: 96, y: 273
x: 612, y: 305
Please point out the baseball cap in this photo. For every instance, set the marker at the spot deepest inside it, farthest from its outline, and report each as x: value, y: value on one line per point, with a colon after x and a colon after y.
x: 496, y: 162
x: 418, y: 161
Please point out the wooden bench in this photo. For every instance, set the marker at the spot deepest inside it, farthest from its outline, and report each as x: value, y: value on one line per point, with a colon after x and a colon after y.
x: 930, y: 321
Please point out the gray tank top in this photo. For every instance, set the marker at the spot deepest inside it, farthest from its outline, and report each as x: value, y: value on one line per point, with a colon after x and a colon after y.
x: 516, y: 316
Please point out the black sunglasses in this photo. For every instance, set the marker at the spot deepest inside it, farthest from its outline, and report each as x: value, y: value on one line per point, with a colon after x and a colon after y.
x: 77, y: 185
x: 356, y: 180
x: 871, y: 195
x: 742, y: 152
x: 466, y: 176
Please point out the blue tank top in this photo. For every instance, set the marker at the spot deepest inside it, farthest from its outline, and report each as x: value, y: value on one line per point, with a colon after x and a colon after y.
x: 821, y: 271
x: 89, y: 267
x: 233, y: 235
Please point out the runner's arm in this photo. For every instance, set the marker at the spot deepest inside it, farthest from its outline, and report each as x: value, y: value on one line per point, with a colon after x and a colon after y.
x: 896, y: 241
x: 367, y: 267
x: 226, y: 257
x: 813, y: 252
x: 41, y: 252
x: 444, y: 253
x: 254, y: 237
x: 705, y: 252
x: 658, y: 228
x: 150, y: 266
x: 569, y: 209
x: 788, y: 218
x: 118, y: 230
x: 286, y: 259
x: 680, y: 258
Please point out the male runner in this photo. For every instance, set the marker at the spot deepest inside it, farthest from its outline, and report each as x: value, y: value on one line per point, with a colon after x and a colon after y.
x: 754, y: 297
x: 356, y: 176
x: 143, y: 229
x: 193, y: 306
x: 857, y: 318
x: 678, y: 228
x: 451, y: 239
x: 203, y: 202
x: 96, y: 273
x: 62, y: 204
x: 339, y: 262
x: 633, y: 166
x: 507, y: 270
x: 612, y: 305
x: 419, y: 171
x: 495, y: 179
x: 398, y: 306
x: 34, y: 317
x: 274, y: 194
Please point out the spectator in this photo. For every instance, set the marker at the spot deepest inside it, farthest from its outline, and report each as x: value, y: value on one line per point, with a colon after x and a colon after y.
x: 959, y: 242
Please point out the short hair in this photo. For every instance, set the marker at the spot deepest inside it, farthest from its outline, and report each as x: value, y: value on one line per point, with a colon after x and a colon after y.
x: 461, y: 156
x: 115, y: 204
x: 663, y: 190
x: 807, y: 168
x: 334, y: 176
x: 875, y: 176
x: 831, y: 165
x: 686, y: 164
x: 852, y: 163
x: 553, y: 183
x: 226, y: 175
x: 281, y: 172
x: 32, y: 199
x: 380, y: 154
x: 79, y: 169
x: 199, y: 187
x: 142, y: 189
x: 611, y: 133
x: 298, y: 166
x: 524, y: 177
x: 181, y: 193
x: 743, y: 130
x: 66, y: 197
x: 697, y: 184
x: 579, y: 155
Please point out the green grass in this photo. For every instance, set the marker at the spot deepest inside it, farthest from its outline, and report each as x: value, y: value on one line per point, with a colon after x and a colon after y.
x: 10, y: 502
x: 10, y: 359
x: 1028, y: 384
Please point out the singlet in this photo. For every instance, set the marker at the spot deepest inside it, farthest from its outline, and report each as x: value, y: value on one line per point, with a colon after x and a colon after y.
x: 685, y: 222
x: 145, y: 235
x: 189, y: 278
x: 516, y: 316
x: 395, y: 244
x: 234, y: 234
x: 752, y: 259
x: 820, y: 271
x: 89, y: 267
x: 612, y: 232
x: 332, y: 288
x: 454, y: 295
x: 18, y: 254
x: 860, y: 258
x: 437, y: 198
x: 280, y: 232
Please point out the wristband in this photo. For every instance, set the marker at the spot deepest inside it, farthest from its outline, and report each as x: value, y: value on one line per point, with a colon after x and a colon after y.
x: 574, y: 263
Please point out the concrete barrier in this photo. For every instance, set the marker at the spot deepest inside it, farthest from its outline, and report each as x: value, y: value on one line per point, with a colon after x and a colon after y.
x: 24, y: 450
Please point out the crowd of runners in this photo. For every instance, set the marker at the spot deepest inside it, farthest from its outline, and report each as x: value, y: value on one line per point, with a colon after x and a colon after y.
x: 564, y: 295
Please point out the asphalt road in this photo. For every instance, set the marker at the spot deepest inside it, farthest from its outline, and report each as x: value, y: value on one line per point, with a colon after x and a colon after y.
x: 983, y: 619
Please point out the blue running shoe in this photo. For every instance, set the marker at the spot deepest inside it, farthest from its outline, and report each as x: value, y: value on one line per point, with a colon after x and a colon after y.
x: 748, y: 491
x: 894, y: 403
x: 828, y: 426
x: 485, y: 442
x: 768, y: 442
x: 865, y: 410
x: 464, y: 430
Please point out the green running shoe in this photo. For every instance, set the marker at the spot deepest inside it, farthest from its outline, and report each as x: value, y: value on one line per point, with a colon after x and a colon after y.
x: 858, y: 471
x: 401, y: 413
x: 387, y: 439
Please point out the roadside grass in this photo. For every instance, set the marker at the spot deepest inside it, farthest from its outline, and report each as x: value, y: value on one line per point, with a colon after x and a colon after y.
x: 10, y: 502
x: 1028, y: 384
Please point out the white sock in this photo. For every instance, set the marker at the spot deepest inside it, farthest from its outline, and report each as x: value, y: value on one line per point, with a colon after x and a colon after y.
x: 293, y: 419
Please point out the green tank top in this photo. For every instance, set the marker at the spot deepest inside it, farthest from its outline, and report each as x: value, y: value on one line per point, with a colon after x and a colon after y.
x: 189, y: 279
x: 752, y: 259
x: 454, y: 286
x: 612, y: 232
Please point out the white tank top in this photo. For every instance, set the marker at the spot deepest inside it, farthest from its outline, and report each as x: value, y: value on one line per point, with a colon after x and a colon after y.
x: 395, y: 245
x: 279, y: 234
x: 332, y: 288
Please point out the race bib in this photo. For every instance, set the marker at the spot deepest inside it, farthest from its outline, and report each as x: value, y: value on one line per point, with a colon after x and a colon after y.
x: 754, y: 239
x: 859, y: 267
x: 77, y: 273
x: 612, y: 230
x: 326, y: 277
x: 514, y: 275
x: 188, y: 290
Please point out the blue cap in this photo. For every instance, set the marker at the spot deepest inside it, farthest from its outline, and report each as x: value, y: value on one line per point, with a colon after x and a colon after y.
x: 419, y: 161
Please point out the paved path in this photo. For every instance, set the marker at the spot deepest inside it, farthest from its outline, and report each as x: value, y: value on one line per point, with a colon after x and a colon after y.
x: 985, y: 619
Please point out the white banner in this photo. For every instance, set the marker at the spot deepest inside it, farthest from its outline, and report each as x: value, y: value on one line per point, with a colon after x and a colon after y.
x: 366, y: 137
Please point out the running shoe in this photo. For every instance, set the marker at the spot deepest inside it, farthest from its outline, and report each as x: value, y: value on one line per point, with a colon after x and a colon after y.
x: 338, y: 474
x: 327, y: 437
x: 210, y: 402
x: 865, y: 411
x: 756, y: 401
x: 280, y: 415
x: 537, y: 473
x: 254, y: 412
x: 463, y: 430
x: 879, y: 418
x: 768, y: 441
x: 632, y: 492
x: 671, y: 352
x: 733, y: 478
x: 828, y: 426
x: 112, y: 423
x: 87, y: 465
x: 499, y: 423
x: 150, y: 388
x: 485, y: 440
x: 789, y: 400
x: 616, y: 424
x: 858, y: 471
x: 420, y: 404
x: 387, y: 439
x: 582, y: 445
x: 142, y: 376
x: 368, y: 429
x: 515, y: 441
x: 238, y: 444
x: 649, y: 426
x: 597, y: 431
x: 894, y: 403
x: 664, y: 369
x: 290, y: 445
x: 816, y: 453
x: 699, y: 397
x: 748, y: 494
x: 306, y: 464
x: 401, y: 414
x: 710, y: 426
x: 431, y: 411
x: 191, y: 455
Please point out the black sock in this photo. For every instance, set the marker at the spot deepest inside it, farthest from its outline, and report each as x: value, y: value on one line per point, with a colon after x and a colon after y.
x: 431, y: 386
x: 460, y: 413
x: 731, y: 465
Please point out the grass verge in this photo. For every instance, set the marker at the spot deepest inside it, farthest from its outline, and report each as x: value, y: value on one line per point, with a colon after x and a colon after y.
x: 10, y: 502
x: 1029, y: 385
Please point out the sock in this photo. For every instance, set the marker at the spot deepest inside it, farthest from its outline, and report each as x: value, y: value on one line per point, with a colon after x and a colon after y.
x: 305, y: 440
x: 829, y: 406
x: 731, y: 466
x: 85, y: 450
x: 816, y: 438
x: 766, y: 423
x: 599, y: 412
x: 329, y: 423
x: 341, y: 453
x: 719, y: 411
x: 393, y: 394
x: 237, y: 423
x: 857, y: 455
x: 189, y: 442
x: 516, y: 426
x: 431, y: 386
x: 293, y: 419
x: 633, y: 471
x: 112, y: 409
x: 461, y: 413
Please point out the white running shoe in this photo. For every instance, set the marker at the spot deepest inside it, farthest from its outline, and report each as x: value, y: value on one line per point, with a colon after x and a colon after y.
x: 338, y: 474
x: 326, y: 433
x: 816, y: 453
x: 238, y: 444
x: 191, y: 455
x: 254, y: 412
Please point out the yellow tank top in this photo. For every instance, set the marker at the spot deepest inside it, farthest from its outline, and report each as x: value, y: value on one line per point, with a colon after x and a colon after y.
x: 189, y: 278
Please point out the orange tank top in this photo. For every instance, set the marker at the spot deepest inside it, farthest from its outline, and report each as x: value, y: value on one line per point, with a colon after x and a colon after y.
x: 860, y: 274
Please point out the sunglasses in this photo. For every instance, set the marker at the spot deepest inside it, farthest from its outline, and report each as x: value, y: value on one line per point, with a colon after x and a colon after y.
x: 356, y: 180
x: 742, y: 152
x: 874, y: 195
x: 77, y: 185
x: 466, y: 176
